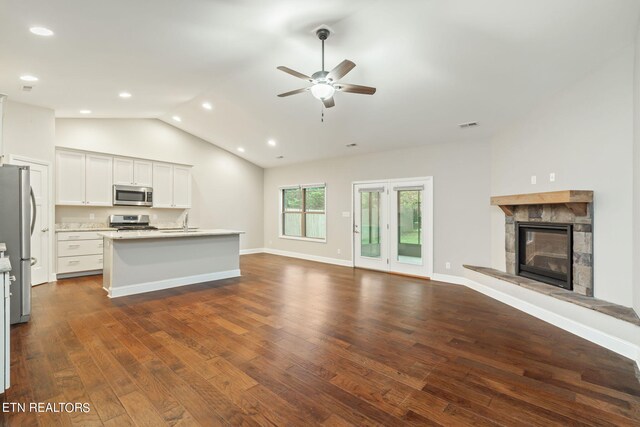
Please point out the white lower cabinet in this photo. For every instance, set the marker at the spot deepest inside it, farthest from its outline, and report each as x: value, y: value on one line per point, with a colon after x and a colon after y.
x: 79, y: 253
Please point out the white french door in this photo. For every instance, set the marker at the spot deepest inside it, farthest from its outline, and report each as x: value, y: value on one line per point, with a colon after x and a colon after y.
x: 393, y: 226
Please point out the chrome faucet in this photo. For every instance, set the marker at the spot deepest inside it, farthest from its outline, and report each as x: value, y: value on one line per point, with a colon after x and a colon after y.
x: 185, y: 224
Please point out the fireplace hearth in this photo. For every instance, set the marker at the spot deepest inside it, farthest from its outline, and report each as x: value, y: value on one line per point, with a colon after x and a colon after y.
x: 544, y: 252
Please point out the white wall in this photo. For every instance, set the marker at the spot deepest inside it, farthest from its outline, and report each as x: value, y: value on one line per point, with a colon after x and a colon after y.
x: 461, y: 199
x: 28, y: 131
x: 585, y: 136
x: 227, y: 190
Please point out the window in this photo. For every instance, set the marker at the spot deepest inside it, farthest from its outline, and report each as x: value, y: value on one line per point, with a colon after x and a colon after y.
x: 303, y: 213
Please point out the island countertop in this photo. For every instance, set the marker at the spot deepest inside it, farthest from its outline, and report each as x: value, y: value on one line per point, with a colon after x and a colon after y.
x: 166, y: 234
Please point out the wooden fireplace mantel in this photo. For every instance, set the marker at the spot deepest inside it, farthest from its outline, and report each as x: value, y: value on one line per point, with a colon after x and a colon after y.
x: 576, y: 200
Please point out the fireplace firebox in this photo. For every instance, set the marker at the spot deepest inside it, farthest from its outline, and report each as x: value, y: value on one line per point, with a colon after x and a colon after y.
x: 544, y: 252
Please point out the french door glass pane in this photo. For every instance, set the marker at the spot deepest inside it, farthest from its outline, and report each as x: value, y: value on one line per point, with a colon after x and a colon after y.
x: 316, y: 226
x: 370, y: 224
x: 410, y: 226
x: 293, y: 224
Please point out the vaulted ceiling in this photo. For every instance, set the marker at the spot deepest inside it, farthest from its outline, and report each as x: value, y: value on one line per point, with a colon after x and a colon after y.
x: 436, y: 63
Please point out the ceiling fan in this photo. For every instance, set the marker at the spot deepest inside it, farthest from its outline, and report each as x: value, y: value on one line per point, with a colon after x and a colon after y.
x: 325, y: 83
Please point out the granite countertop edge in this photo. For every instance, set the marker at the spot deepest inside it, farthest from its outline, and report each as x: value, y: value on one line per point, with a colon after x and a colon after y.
x: 104, y: 228
x: 138, y: 235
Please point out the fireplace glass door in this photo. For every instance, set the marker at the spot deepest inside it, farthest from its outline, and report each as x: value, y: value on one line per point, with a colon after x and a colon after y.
x: 545, y: 253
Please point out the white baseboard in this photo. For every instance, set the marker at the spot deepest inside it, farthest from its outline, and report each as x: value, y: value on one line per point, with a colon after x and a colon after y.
x: 448, y: 278
x: 594, y: 332
x: 325, y: 260
x: 251, y: 251
x: 158, y: 285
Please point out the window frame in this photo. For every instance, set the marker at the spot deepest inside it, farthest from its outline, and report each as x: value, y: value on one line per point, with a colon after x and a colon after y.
x: 303, y: 213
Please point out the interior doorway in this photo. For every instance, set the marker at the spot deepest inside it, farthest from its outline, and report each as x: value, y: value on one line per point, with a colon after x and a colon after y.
x: 41, y: 236
x: 393, y: 225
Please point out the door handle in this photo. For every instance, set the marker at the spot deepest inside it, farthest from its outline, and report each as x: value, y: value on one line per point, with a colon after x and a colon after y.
x: 355, y: 229
x: 34, y: 261
x: 44, y: 230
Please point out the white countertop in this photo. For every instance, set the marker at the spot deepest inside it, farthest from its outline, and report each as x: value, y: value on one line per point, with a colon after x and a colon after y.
x: 166, y: 234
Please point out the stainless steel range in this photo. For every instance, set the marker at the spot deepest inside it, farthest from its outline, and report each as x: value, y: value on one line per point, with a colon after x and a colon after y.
x: 130, y: 222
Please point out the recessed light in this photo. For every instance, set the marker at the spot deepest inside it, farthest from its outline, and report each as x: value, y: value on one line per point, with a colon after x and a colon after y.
x: 85, y: 111
x: 271, y: 142
x: 177, y: 118
x: 28, y: 78
x: 240, y: 149
x: 124, y: 95
x: 41, y: 31
x: 207, y: 106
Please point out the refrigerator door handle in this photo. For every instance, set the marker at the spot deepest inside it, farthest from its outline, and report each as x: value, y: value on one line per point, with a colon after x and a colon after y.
x: 26, y: 288
x: 25, y: 214
x: 35, y: 211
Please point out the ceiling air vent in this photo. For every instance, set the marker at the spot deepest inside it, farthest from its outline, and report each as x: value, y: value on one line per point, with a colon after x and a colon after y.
x: 468, y: 125
x: 27, y: 88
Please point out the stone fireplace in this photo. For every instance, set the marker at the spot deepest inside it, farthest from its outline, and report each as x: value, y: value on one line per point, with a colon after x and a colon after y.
x: 549, y: 238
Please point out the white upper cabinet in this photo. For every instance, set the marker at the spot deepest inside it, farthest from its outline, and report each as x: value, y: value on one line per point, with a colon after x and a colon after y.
x: 143, y: 173
x: 162, y: 185
x: 98, y: 180
x: 122, y: 171
x: 171, y: 186
x: 181, y: 187
x: 132, y: 172
x: 70, y: 178
x: 84, y: 178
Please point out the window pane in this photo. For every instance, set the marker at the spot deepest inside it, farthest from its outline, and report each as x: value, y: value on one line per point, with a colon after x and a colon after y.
x: 370, y: 224
x: 314, y: 199
x: 292, y: 224
x: 316, y: 226
x: 292, y: 199
x: 409, y: 226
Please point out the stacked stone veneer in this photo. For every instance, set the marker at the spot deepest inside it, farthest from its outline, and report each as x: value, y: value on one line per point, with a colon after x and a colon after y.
x: 582, y: 239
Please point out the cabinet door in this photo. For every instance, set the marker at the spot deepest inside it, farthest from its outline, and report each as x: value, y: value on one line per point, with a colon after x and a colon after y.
x: 162, y: 185
x: 70, y: 183
x: 181, y: 187
x: 99, y: 180
x: 122, y: 171
x: 143, y: 173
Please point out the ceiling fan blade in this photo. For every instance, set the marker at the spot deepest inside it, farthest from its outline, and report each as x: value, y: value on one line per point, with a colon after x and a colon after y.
x: 341, y: 70
x: 295, y: 73
x: 293, y: 92
x: 329, y: 102
x: 363, y: 90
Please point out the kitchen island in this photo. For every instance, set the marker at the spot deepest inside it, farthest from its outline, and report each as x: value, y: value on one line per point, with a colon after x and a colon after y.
x: 143, y: 261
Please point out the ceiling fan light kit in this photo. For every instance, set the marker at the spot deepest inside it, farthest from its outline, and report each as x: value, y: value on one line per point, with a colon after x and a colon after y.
x: 325, y: 83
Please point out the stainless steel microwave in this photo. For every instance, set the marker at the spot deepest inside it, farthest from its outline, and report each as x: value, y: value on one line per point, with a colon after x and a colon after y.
x: 128, y: 195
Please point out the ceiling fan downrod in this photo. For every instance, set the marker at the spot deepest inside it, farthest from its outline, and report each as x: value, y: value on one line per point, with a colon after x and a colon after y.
x: 323, y: 34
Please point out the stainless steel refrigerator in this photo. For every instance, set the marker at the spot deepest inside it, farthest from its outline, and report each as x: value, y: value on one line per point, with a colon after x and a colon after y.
x: 16, y: 227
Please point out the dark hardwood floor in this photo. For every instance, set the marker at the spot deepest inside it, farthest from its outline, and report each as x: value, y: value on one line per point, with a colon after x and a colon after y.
x: 299, y: 343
